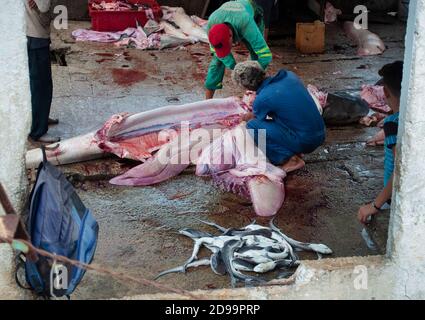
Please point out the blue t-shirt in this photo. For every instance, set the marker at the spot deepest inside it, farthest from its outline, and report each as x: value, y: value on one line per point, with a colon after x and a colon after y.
x: 391, y: 131
x: 286, y: 100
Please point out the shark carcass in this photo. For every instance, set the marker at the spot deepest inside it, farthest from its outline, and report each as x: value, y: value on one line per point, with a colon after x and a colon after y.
x: 209, y: 134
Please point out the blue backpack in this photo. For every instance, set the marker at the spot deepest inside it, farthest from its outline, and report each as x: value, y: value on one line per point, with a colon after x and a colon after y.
x: 58, y: 222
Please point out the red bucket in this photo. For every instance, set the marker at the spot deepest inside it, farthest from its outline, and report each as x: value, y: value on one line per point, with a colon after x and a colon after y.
x: 111, y: 21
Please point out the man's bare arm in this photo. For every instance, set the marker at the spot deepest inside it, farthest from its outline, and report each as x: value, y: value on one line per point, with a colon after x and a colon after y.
x: 386, y: 194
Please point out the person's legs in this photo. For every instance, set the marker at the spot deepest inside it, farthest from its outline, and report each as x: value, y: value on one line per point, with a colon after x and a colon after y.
x: 281, y: 142
x: 308, y: 143
x: 41, y: 85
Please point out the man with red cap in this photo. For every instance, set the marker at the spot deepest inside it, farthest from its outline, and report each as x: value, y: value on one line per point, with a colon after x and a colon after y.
x: 235, y: 21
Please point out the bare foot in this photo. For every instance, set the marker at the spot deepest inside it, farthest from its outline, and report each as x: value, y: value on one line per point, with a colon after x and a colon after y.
x: 293, y: 164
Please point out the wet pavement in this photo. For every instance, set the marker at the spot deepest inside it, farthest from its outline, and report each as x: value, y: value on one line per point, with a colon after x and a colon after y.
x: 138, y: 226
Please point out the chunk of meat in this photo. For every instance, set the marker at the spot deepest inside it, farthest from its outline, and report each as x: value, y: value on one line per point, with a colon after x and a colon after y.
x: 368, y: 43
x: 375, y: 97
x: 331, y: 13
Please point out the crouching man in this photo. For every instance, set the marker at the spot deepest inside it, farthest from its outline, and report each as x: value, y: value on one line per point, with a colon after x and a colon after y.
x: 392, y: 76
x: 285, y: 110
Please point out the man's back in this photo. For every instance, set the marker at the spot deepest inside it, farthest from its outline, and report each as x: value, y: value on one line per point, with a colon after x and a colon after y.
x: 285, y: 99
x: 236, y: 13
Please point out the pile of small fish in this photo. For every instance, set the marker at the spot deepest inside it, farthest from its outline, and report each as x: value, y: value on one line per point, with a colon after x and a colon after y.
x: 255, y: 249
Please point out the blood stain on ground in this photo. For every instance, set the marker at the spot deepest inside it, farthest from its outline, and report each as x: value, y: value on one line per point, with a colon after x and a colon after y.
x: 102, y: 54
x: 125, y: 77
x: 103, y: 60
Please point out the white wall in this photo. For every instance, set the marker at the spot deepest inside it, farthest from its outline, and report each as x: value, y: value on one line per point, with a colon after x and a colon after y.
x: 15, y: 113
x: 407, y: 225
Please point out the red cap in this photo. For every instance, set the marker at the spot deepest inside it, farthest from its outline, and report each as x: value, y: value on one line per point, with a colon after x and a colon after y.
x: 219, y: 37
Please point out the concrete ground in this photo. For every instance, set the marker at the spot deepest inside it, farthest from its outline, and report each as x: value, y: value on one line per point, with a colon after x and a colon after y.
x: 138, y: 226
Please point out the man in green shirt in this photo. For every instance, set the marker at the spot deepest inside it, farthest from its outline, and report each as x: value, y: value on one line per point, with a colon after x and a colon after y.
x: 235, y: 21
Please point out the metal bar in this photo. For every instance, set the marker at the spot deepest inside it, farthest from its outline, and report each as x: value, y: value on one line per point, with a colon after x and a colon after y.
x: 204, y: 11
x: 8, y: 226
x: 322, y: 10
x: 9, y: 210
x: 5, y: 202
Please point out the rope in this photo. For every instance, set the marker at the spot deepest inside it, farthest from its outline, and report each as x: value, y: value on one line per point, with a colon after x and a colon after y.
x: 102, y: 270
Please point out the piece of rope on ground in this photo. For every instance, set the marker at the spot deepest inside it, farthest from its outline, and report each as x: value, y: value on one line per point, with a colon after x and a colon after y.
x: 92, y: 267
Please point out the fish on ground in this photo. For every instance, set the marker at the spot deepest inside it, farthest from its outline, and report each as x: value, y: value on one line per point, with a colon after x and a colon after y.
x: 368, y: 43
x: 374, y: 95
x: 185, y: 23
x: 137, y: 136
x: 256, y: 249
x: 343, y: 108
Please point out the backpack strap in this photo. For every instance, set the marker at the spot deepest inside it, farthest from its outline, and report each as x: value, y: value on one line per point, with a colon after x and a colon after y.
x: 20, y: 265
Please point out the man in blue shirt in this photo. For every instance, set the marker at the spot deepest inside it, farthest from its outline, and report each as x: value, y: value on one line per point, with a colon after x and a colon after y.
x: 392, y: 75
x: 285, y: 110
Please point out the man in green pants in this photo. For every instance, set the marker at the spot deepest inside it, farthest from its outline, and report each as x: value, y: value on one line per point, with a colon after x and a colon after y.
x: 235, y: 21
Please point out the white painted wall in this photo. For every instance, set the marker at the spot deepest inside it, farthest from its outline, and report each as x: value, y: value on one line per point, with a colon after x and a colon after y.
x: 407, y: 225
x: 15, y: 117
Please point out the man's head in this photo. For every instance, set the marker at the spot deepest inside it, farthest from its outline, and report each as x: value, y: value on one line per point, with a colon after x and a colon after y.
x: 221, y: 39
x: 392, y: 75
x: 248, y: 75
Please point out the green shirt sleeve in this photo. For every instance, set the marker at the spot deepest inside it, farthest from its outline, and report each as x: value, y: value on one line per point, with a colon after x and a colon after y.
x: 255, y: 38
x: 229, y: 61
x: 215, y: 75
